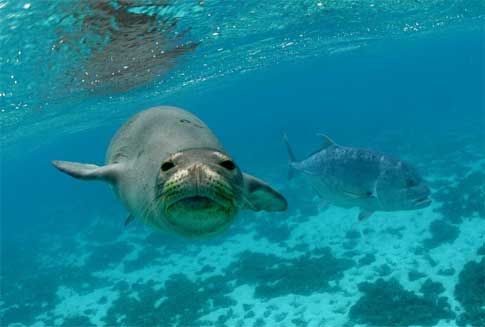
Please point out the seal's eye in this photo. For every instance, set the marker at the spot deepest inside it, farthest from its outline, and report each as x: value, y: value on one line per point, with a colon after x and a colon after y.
x: 228, y: 164
x: 167, y: 165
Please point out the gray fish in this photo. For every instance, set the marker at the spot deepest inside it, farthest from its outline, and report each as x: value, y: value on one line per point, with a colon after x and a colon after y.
x: 351, y: 177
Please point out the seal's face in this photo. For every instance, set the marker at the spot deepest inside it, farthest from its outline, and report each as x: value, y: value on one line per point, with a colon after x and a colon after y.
x: 200, y: 192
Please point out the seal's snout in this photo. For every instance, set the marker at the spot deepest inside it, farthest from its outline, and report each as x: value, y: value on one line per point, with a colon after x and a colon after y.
x: 199, y: 173
x: 198, y: 200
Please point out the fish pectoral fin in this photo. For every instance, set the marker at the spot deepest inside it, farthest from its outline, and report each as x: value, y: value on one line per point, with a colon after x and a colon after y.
x: 323, y: 205
x: 129, y: 219
x: 364, y: 214
x: 358, y: 195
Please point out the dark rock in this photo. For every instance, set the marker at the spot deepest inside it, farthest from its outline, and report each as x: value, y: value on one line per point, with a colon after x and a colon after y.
x: 367, y: 259
x: 249, y: 314
x: 431, y: 289
x: 415, y: 275
x: 299, y: 322
x: 280, y: 316
x: 441, y: 232
x: 353, y: 234
x: 259, y: 323
x: 247, y: 307
x: 463, y: 200
x: 419, y: 250
x: 275, y: 276
x: 206, y: 270
x: 447, y: 271
x: 349, y: 245
x: 396, y: 231
x: 481, y: 250
x: 384, y: 270
x: 184, y: 302
x: 351, y: 253
x: 77, y: 321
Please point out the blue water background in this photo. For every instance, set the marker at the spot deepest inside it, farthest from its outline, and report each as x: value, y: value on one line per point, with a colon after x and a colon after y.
x: 419, y: 99
x: 428, y: 91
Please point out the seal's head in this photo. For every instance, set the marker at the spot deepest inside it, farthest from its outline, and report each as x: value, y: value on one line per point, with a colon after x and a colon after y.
x: 200, y: 191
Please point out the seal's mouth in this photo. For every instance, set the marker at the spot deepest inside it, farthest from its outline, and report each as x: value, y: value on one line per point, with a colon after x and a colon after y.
x: 199, y: 215
x: 198, y: 206
x: 197, y: 202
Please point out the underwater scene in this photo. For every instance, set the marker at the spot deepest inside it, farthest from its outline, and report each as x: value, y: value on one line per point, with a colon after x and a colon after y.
x: 242, y: 163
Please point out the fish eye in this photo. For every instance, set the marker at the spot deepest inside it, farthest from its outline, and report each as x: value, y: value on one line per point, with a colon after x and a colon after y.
x: 410, y: 182
x: 167, y: 165
x: 228, y: 164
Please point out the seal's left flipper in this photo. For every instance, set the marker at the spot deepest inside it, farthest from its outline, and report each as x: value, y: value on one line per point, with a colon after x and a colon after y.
x: 78, y: 170
x: 261, y: 196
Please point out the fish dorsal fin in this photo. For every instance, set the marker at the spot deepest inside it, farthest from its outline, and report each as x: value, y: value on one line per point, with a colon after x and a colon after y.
x: 327, y: 141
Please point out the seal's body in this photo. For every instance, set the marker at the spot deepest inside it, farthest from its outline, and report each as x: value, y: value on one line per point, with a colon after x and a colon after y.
x: 171, y: 171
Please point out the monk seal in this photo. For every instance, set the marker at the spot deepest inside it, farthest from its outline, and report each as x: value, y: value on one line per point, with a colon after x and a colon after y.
x: 363, y: 178
x: 171, y: 172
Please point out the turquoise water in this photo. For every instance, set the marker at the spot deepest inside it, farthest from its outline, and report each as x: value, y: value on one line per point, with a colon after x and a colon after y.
x: 401, y: 77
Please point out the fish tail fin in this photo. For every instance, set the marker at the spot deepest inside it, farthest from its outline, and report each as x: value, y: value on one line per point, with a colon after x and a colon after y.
x: 291, y: 157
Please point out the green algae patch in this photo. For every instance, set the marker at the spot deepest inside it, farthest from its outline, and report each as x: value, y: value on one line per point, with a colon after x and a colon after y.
x: 275, y: 276
x: 441, y: 232
x: 470, y: 292
x: 181, y: 302
x: 387, y: 303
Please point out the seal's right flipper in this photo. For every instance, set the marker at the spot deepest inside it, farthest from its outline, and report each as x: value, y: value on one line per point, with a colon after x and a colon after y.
x: 78, y: 170
x: 261, y: 196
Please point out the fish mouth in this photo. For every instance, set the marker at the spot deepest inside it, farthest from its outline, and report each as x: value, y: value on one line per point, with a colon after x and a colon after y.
x: 422, y: 202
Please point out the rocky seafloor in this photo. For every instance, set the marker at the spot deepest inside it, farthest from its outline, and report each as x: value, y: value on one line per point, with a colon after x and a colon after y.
x: 306, y: 267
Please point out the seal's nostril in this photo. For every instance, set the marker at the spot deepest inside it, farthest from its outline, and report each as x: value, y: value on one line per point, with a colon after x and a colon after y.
x: 228, y: 164
x: 167, y: 165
